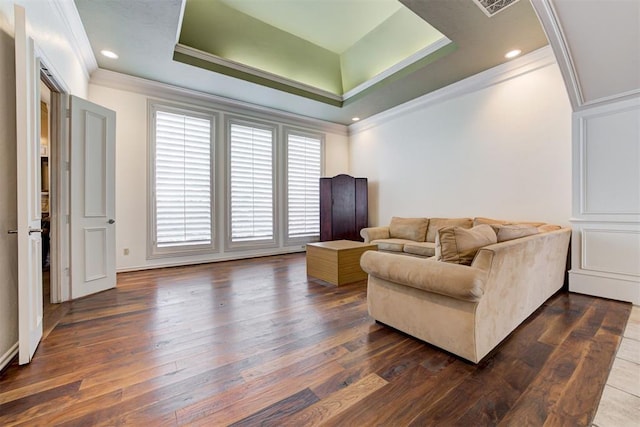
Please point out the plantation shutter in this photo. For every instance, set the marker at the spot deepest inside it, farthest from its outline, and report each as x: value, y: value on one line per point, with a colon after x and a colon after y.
x: 303, y: 186
x: 182, y: 180
x: 251, y: 176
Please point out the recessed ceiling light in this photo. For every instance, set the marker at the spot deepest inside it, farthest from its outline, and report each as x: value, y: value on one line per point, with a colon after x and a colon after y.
x: 355, y: 119
x: 109, y: 54
x: 512, y: 53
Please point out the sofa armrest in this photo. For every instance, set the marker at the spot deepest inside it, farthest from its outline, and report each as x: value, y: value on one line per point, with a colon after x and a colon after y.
x: 374, y: 233
x: 453, y: 280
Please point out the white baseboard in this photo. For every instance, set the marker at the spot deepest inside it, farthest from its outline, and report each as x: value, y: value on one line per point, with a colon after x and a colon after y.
x: 605, y: 287
x: 8, y: 356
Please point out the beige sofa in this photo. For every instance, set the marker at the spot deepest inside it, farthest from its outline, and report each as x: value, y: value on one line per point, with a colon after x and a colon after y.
x: 467, y: 309
x: 411, y: 236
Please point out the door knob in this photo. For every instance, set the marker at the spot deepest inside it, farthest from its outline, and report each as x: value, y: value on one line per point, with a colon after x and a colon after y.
x: 111, y: 221
x: 12, y: 232
x: 35, y: 230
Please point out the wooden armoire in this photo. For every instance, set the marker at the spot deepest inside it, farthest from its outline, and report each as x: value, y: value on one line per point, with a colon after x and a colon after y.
x: 343, y: 208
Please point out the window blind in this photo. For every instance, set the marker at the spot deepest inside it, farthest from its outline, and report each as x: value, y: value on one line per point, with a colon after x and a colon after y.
x: 251, y: 183
x: 182, y: 180
x: 303, y: 186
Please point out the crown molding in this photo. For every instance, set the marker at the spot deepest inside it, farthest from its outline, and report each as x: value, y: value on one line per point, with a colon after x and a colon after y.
x: 156, y: 89
x: 69, y: 15
x: 215, y: 59
x: 535, y: 60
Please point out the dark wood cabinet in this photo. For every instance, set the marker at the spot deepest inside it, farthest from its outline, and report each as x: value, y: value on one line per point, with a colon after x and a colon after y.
x: 343, y: 208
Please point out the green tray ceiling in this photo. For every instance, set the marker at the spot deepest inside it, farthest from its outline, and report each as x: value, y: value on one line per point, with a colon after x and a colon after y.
x: 240, y: 38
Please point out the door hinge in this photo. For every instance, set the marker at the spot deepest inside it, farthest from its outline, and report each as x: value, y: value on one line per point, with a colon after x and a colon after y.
x: 68, y: 113
x: 66, y: 218
x: 66, y: 166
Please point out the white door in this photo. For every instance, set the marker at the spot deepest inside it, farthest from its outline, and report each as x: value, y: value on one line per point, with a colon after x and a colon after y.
x: 92, y: 199
x: 28, y: 198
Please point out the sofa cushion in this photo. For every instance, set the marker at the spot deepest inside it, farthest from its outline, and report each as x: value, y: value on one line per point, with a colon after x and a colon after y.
x: 506, y: 232
x: 436, y: 223
x: 459, y: 245
x: 548, y: 227
x: 408, y: 228
x: 393, y: 245
x: 426, y: 249
x: 481, y: 220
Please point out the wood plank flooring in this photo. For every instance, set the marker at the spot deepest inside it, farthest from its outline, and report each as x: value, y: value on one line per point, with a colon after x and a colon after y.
x: 257, y: 342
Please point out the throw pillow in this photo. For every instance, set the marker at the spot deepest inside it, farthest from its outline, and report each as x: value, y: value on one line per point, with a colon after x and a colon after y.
x: 437, y: 223
x: 513, y: 231
x: 408, y: 228
x: 459, y: 245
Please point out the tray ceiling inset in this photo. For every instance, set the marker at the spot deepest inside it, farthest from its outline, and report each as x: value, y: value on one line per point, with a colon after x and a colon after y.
x: 329, y: 51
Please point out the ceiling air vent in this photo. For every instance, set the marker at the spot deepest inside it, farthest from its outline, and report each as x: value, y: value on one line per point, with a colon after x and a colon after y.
x: 491, y: 7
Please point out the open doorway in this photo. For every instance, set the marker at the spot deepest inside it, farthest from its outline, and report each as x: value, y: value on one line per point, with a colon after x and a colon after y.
x: 45, y: 180
x: 54, y: 192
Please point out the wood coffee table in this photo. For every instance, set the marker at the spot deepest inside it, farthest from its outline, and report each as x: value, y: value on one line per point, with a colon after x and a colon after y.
x: 338, y: 261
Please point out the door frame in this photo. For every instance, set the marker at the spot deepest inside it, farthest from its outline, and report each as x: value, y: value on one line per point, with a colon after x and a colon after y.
x: 60, y: 286
x: 59, y: 185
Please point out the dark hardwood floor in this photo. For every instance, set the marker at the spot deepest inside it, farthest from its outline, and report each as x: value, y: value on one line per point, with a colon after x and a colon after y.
x: 256, y: 342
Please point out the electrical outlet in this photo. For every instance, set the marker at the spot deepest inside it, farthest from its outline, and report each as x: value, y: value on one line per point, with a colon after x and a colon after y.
x: 126, y: 251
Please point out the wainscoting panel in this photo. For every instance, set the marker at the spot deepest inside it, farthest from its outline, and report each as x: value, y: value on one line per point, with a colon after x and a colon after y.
x: 606, y: 259
x: 609, y: 144
x: 605, y: 245
x: 611, y: 251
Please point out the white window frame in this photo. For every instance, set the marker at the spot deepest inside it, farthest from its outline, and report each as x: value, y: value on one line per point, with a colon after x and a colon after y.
x: 153, y: 250
x: 291, y: 241
x: 230, y: 245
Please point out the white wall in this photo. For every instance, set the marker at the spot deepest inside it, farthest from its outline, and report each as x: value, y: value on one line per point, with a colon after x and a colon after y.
x: 55, y: 42
x: 55, y: 45
x: 131, y: 178
x: 502, y: 151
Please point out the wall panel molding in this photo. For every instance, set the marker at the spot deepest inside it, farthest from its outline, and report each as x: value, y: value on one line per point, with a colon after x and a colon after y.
x: 611, y: 251
x: 606, y: 176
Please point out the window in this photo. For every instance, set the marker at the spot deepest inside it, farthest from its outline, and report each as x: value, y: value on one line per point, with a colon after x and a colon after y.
x: 303, y: 185
x: 251, y: 184
x: 182, y: 181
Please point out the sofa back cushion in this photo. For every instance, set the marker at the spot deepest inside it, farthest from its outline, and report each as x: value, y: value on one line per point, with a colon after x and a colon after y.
x: 408, y: 228
x: 481, y: 220
x: 436, y: 223
x: 459, y: 245
x: 513, y: 231
x: 548, y: 227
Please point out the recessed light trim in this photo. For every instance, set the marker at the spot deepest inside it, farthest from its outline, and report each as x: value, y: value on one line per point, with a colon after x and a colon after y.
x: 109, y: 54
x: 512, y: 53
x: 355, y: 119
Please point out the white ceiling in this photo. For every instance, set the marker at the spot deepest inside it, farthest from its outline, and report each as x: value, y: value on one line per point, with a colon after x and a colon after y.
x: 335, y: 25
x: 603, y: 39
